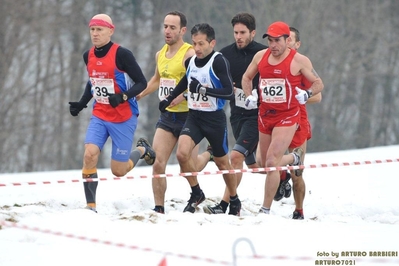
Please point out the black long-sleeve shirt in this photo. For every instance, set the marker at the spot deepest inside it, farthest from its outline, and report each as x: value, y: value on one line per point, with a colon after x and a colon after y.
x: 240, y: 59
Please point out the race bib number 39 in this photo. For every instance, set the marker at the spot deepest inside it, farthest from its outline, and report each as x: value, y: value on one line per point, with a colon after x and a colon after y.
x: 100, y: 89
x: 166, y: 86
x: 273, y: 90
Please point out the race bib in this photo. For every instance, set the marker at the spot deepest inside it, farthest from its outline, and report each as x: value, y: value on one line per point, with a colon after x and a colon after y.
x: 198, y: 101
x: 240, y: 97
x: 273, y: 90
x: 100, y: 88
x: 166, y: 86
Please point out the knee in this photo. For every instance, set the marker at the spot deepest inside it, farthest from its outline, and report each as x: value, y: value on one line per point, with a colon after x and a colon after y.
x: 182, y: 156
x: 158, y: 167
x: 223, y: 163
x: 236, y: 159
x: 118, y: 172
x: 271, y: 162
x: 89, y: 156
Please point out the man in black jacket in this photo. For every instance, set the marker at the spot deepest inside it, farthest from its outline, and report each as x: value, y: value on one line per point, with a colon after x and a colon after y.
x: 244, y: 122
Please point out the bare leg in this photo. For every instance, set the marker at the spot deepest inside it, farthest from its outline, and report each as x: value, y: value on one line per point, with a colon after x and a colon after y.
x: 280, y: 139
x: 237, y: 162
x: 201, y: 160
x: 187, y: 164
x: 299, y: 183
x: 163, y: 145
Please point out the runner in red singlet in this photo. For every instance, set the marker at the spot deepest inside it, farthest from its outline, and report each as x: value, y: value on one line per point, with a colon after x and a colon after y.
x: 281, y: 70
x: 301, y: 136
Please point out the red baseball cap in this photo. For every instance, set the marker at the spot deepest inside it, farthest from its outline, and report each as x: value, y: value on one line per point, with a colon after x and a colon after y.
x: 277, y: 29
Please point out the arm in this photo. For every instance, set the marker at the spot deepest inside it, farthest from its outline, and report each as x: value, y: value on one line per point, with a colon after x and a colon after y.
x: 222, y: 70
x: 314, y: 99
x: 125, y: 61
x: 250, y: 73
x: 86, y: 97
x: 153, y: 84
x: 190, y: 52
x: 307, y: 70
x: 76, y: 107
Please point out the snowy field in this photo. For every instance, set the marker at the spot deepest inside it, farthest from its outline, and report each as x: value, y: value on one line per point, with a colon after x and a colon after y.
x: 351, y: 214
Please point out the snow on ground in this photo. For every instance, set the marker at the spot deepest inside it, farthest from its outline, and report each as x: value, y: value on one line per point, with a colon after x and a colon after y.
x: 347, y: 209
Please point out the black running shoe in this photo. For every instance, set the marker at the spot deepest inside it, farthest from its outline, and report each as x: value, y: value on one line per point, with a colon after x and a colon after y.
x: 149, y: 154
x: 159, y: 209
x: 217, y: 209
x: 287, y: 186
x: 284, y: 189
x: 210, y: 150
x: 194, y: 201
x: 298, y: 153
x: 297, y: 216
x: 235, y: 207
x: 287, y: 190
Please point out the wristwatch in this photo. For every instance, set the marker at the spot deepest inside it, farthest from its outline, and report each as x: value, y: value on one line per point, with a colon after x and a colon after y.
x: 124, y: 97
x: 202, y: 91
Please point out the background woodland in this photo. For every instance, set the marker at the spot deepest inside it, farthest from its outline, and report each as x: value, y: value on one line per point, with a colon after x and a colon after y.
x: 353, y: 46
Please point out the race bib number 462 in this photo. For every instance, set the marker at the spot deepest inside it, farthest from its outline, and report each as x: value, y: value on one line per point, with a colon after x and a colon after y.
x: 273, y: 90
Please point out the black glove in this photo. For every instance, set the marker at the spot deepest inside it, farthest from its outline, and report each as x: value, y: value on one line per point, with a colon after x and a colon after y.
x: 165, y: 103
x: 76, y: 107
x: 115, y: 99
x: 195, y: 85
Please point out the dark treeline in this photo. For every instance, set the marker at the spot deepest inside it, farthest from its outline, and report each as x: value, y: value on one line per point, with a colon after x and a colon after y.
x: 353, y: 46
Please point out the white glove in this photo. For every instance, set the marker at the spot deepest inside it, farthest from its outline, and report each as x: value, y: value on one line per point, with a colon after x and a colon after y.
x: 303, y: 95
x: 251, y: 102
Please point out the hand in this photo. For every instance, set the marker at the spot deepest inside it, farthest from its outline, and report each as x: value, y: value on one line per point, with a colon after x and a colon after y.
x: 115, y: 99
x: 251, y: 102
x: 195, y: 85
x: 76, y: 107
x: 303, y: 95
x: 165, y: 103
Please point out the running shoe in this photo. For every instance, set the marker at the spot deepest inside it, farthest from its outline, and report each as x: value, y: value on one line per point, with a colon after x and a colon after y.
x: 149, y: 154
x: 216, y: 209
x: 297, y: 216
x: 194, y: 201
x: 235, y: 207
x: 284, y: 188
x: 159, y: 209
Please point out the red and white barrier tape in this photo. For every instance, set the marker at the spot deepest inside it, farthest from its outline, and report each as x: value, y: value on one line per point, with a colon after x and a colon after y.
x: 109, y: 242
x: 192, y: 257
x: 218, y: 172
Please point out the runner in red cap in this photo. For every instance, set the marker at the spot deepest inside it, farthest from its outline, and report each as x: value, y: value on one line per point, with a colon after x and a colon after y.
x: 281, y: 70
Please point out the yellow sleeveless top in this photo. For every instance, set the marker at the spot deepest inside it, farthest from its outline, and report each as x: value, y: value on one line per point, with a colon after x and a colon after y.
x: 171, y: 71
